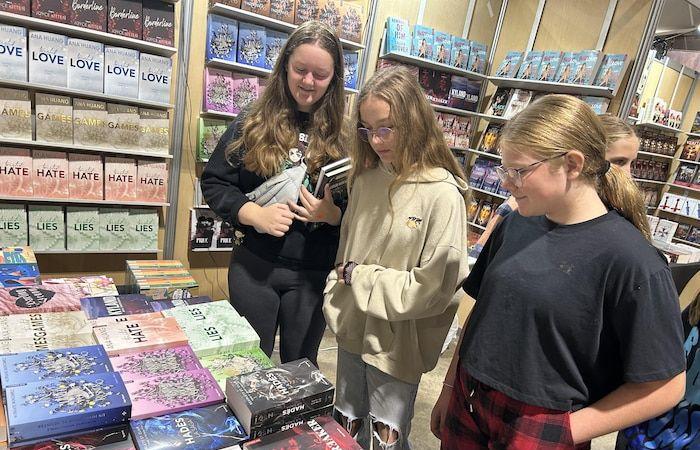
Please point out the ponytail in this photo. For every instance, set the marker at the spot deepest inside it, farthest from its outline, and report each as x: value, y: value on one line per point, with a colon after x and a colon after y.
x: 620, y: 192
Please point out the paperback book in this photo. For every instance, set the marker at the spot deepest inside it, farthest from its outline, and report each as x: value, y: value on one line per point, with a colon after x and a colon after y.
x: 51, y: 342
x: 155, y: 131
x: 464, y: 93
x: 422, y: 44
x: 305, y: 10
x: 53, y: 10
x: 530, y: 66
x: 350, y: 69
x: 82, y: 229
x: 90, y: 14
x: 329, y: 14
x: 218, y: 90
x: 155, y: 363
x: 462, y: 131
x: 222, y: 36
x: 611, y: 71
x: 158, y: 22
x: 13, y: 52
x: 47, y: 227
x: 89, y: 123
x: 565, y: 69
x: 114, y: 229
x: 85, y: 64
x: 124, y: 18
x: 490, y: 138
x: 123, y: 127
x: 162, y: 305
x: 261, y: 7
x: 40, y: 326
x: 39, y: 299
x: 599, y: 105
x: 134, y: 336
x: 202, y: 228
x: 251, y: 45
x: 152, y: 181
x: 115, y: 305
x: 104, y: 438
x: 232, y: 364
x: 459, y: 57
x: 54, y: 118
x: 20, y: 7
x: 15, y: 114
x: 143, y: 225
x: 499, y: 101
x: 274, y: 40
x: 398, y: 35
x: 586, y: 64
x: 50, y: 174
x: 548, y: 67
x: 121, y: 72
x: 351, y: 21
x: 14, y: 231
x: 17, y: 264
x: 436, y: 85
x: 292, y: 421
x: 282, y: 10
x: 121, y: 182
x: 510, y: 65
x: 102, y: 321
x: 154, y: 82
x: 226, y: 235
x: 244, y: 91
x: 16, y: 168
x: 518, y: 101
x: 477, y: 57
x: 85, y: 176
x: 210, y: 132
x: 48, y: 61
x: 335, y: 174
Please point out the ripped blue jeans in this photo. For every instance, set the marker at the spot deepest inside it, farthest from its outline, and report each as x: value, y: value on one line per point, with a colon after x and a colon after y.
x: 365, y: 393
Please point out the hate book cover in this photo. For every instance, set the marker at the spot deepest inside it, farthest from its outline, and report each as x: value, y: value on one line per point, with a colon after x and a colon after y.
x: 54, y: 118
x: 222, y: 35
x: 114, y: 229
x: 48, y: 58
x: 158, y: 22
x: 90, y: 14
x: 218, y: 90
x: 120, y: 179
x: 38, y: 299
x: 13, y: 52
x: 15, y: 114
x: 138, y: 335
x: 155, y: 363
x: 89, y: 123
x: 85, y: 65
x: 50, y: 174
x: 154, y: 80
x: 123, y: 127
x: 85, y: 173
x: 16, y: 176
x: 124, y: 18
x: 47, y: 228
x: 143, y: 227
x: 282, y: 10
x: 251, y: 45
x: 102, y: 321
x: 152, y: 181
x: 115, y: 305
x: 121, y: 72
x: 233, y: 364
x: 154, y: 126
x: 13, y: 228
x: 82, y: 229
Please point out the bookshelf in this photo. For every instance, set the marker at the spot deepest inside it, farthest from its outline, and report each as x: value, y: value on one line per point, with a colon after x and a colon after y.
x: 658, y: 155
x: 429, y: 64
x: 658, y: 126
x: 96, y: 252
x: 477, y: 152
x: 203, y: 250
x: 473, y: 224
x: 642, y: 180
x: 552, y: 87
x: 484, y: 191
x: 81, y: 148
x: 77, y: 201
x: 219, y: 114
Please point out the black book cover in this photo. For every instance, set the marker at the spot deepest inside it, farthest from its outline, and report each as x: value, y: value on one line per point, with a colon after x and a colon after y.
x: 91, y: 14
x: 15, y: 6
x: 322, y: 433
x: 55, y: 10
x: 290, y: 422
x: 158, y: 22
x: 124, y: 18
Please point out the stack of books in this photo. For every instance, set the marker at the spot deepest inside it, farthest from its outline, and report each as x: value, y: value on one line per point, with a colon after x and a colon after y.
x: 334, y: 174
x: 18, y: 267
x: 322, y: 430
x: 160, y: 279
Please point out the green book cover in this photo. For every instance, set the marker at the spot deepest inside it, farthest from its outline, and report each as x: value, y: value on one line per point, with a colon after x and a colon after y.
x: 232, y: 364
x: 47, y: 228
x: 143, y: 229
x: 13, y: 225
x: 82, y: 228
x: 210, y: 131
x: 114, y: 229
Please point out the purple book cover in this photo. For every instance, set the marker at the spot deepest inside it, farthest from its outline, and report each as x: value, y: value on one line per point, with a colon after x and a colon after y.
x: 155, y: 363
x: 162, y: 305
x: 218, y: 90
x: 167, y: 394
x: 116, y: 305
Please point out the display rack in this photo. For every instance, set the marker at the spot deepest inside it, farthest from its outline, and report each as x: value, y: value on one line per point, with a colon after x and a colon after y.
x: 429, y: 64
x: 484, y: 191
x: 66, y: 201
x: 552, y: 87
x: 473, y: 224
x: 658, y: 155
x: 478, y: 152
x: 93, y: 252
x: 642, y: 180
x: 204, y: 250
x: 658, y: 126
x: 81, y: 148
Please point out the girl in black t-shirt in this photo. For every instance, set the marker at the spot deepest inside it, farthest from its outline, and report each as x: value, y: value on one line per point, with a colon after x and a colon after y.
x: 576, y: 330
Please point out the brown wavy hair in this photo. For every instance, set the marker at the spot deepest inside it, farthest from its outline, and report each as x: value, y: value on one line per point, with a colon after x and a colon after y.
x: 419, y: 143
x: 555, y: 124
x: 269, y: 129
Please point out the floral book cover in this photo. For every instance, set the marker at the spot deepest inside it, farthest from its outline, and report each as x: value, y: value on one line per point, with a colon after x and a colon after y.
x: 155, y: 363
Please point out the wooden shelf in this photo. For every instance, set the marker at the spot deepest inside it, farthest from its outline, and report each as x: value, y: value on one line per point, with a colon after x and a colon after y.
x: 550, y: 86
x: 197, y: 250
x: 93, y: 252
x: 658, y: 155
x: 68, y: 201
x: 488, y: 192
x: 477, y: 152
x: 658, y: 126
x: 684, y: 188
x: 81, y: 148
x: 219, y: 114
x: 33, y: 23
x: 429, y: 64
x: 693, y: 134
x: 641, y: 180
x: 472, y: 224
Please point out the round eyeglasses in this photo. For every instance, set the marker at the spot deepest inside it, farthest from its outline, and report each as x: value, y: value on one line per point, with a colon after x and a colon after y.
x: 515, y: 176
x: 382, y: 133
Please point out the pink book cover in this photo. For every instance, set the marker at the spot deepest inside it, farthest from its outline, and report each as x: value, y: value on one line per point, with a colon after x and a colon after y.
x: 166, y: 394
x: 152, y: 181
x: 15, y: 172
x: 50, y: 174
x: 120, y: 179
x: 102, y: 321
x: 155, y: 363
x: 85, y: 176
x: 218, y: 90
x: 245, y: 91
x: 136, y: 335
x: 42, y: 298
x: 88, y: 286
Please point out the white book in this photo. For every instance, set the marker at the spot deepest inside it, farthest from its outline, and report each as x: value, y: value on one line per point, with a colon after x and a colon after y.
x: 114, y: 229
x: 48, y: 60
x: 85, y: 65
x: 121, y: 72
x: 154, y: 80
x: 47, y: 227
x: 665, y: 230
x: 334, y: 173
x: 82, y: 228
x: 13, y: 53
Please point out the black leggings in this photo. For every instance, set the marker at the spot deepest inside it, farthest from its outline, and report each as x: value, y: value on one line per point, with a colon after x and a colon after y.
x: 269, y: 294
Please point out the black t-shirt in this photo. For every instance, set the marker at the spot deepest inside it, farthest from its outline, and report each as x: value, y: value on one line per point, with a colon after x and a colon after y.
x: 566, y: 314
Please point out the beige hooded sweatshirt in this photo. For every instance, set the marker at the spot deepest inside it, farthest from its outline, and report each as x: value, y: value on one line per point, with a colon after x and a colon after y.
x: 399, y: 307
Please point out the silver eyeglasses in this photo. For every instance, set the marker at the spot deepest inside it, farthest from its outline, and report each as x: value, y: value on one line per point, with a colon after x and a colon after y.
x: 382, y: 133
x: 515, y: 176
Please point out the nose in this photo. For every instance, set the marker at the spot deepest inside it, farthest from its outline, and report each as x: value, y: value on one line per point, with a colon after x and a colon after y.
x: 374, y: 138
x: 308, y: 79
x: 508, y: 184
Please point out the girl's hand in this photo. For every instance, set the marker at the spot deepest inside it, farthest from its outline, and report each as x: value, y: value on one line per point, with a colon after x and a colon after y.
x: 339, y: 271
x: 437, y: 417
x: 313, y: 209
x: 274, y: 220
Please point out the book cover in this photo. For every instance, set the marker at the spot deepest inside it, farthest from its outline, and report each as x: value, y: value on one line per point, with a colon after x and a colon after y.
x: 139, y: 335
x: 154, y: 82
x: 85, y: 173
x: 173, y: 393
x: 265, y: 396
x: 696, y: 124
x: 121, y: 75
x: 665, y: 230
x: 162, y: 305
x: 445, y: 122
x: 202, y: 228
x: 50, y: 342
x: 16, y: 169
x: 13, y: 228
x: 115, y: 305
x: 54, y: 118
x: 518, y: 101
x: 152, y: 181
x: 530, y: 66
x: 121, y: 182
x: 202, y: 307
x: 459, y: 55
x: 158, y: 22
x: 20, y: 7
x: 66, y: 405
x: 90, y: 14
x: 292, y: 422
x: 261, y: 7
x: 54, y: 10
x: 244, y: 91
x: 436, y: 85
x: 398, y: 35
x: 549, y: 65
x: 351, y: 21
x: 566, y: 67
x: 462, y: 131
x: 477, y: 57
x: 442, y: 47
x: 114, y: 229
x: 599, y: 105
x: 484, y: 214
x: 39, y: 326
x: 17, y: 255
x: 155, y: 130
x: 329, y: 13
x: 48, y: 62
x: 123, y: 127
x: 124, y: 18
x: 226, y: 235
x: 350, y: 69
x: 143, y: 225
x: 15, y: 114
x: 422, y: 44
x: 685, y: 174
x: 47, y: 228
x: 222, y: 36
x: 232, y: 364
x: 50, y: 174
x: 38, y: 299
x: 585, y: 66
x: 210, y: 132
x: 218, y: 90
x: 82, y: 229
x: 102, y: 321
x: 89, y: 122
x: 611, y: 71
x: 274, y: 41
x: 682, y: 231
x: 305, y: 10
x: 510, y: 65
x: 282, y: 10
x: 18, y: 274
x: 499, y: 101
x: 251, y: 45
x: 464, y: 93
x: 209, y: 427
x: 13, y: 52
x: 155, y: 363
x: 696, y: 181
x: 104, y: 438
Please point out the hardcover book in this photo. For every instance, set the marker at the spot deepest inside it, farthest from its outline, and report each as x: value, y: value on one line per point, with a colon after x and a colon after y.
x: 305, y: 10
x: 48, y: 61
x: 155, y: 363
x: 202, y: 228
x: 47, y: 228
x: 152, y: 181
x: 123, y: 127
x: 218, y: 90
x: 115, y: 305
x: 398, y: 35
x: 20, y: 7
x: 13, y: 52
x: 566, y: 67
x: 155, y: 131
x: 82, y: 229
x: 350, y: 69
x: 611, y: 71
x: 209, y: 427
x: 16, y: 168
x: 54, y: 118
x: 442, y: 47
x: 162, y: 305
x: 265, y: 396
x: 39, y: 326
x: 548, y: 67
x: 459, y: 56
x: 282, y: 10
x: 251, y: 45
x: 173, y: 393
x: 477, y: 57
x: 121, y: 182
x: 351, y: 21
x: 261, y: 7
x: 232, y: 364
x: 222, y: 36
x: 54, y: 10
x: 329, y: 14
x: 121, y: 72
x: 226, y: 236
x: 114, y: 229
x: 66, y: 405
x: 293, y: 421
x: 15, y: 270
x: 518, y: 101
x: 499, y: 101
x: 154, y: 82
x: 90, y: 14
x: 464, y: 93
x: 244, y: 91
x: 13, y: 230
x: 462, y: 131
x: 510, y: 65
x: 135, y: 336
x: 143, y: 225
x: 15, y: 114
x: 585, y: 67
x: 599, y: 105
x: 50, y: 171
x: 38, y: 299
x: 85, y: 177
x: 89, y: 123
x: 530, y: 66
x: 158, y: 22
x: 124, y: 18
x: 210, y: 132
x: 422, y: 44
x: 50, y: 342
x: 436, y: 85
x: 274, y: 41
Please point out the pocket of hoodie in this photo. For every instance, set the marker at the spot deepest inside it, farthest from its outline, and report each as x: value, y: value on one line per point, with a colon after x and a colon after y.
x: 379, y: 335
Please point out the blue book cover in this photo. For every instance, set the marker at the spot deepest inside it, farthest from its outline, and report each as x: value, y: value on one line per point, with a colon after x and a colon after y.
x: 32, y: 367
x: 251, y: 45
x: 274, y: 41
x: 162, y: 305
x: 398, y: 35
x: 565, y: 69
x: 211, y: 427
x: 599, y: 105
x: 530, y: 66
x: 464, y: 93
x: 611, y: 71
x: 548, y: 66
x: 586, y: 65
x: 116, y: 305
x: 422, y: 42
x: 64, y: 405
x: 222, y: 35
x: 459, y: 54
x: 510, y: 64
x: 13, y: 275
x: 350, y: 75
x: 477, y: 57
x: 442, y: 47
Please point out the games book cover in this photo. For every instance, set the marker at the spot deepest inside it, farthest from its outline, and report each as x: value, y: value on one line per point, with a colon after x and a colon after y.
x: 38, y: 326
x: 89, y: 123
x: 155, y: 363
x: 15, y: 118
x: 244, y: 90
x: 53, y: 118
x: 123, y: 126
x: 154, y: 125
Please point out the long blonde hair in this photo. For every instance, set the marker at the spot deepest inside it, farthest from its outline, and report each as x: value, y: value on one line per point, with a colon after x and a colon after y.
x: 616, y: 129
x: 270, y: 130
x: 419, y: 143
x: 555, y: 124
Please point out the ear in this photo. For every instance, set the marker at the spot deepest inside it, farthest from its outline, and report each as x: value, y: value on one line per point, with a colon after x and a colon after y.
x: 573, y: 163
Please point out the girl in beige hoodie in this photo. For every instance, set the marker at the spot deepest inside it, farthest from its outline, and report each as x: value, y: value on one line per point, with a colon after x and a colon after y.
x: 402, y: 255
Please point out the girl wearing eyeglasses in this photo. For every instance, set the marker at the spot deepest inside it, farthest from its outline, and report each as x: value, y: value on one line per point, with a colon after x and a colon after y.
x: 402, y: 256
x: 576, y: 330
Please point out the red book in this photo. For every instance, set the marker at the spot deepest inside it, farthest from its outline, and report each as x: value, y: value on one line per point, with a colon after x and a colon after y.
x: 50, y: 174
x: 152, y: 181
x: 41, y: 298
x: 15, y: 172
